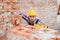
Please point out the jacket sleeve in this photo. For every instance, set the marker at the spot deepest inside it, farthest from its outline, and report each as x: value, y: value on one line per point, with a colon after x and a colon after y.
x: 25, y: 17
x: 40, y: 22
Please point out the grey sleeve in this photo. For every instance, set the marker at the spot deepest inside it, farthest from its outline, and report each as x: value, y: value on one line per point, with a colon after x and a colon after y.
x: 40, y: 22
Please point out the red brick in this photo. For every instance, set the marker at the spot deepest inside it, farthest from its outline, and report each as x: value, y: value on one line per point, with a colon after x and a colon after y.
x: 1, y: 1
x: 34, y: 4
x: 6, y: 0
x: 1, y: 36
x: 52, y: 39
x: 8, y: 3
x: 15, y: 7
x: 4, y: 10
x: 36, y: 38
x: 15, y: 1
x: 1, y: 27
x: 58, y: 37
x: 42, y: 4
x: 6, y: 6
x: 13, y: 21
x: 23, y: 2
x: 1, y: 22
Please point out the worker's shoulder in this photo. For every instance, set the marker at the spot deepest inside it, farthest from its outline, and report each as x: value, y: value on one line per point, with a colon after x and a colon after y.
x: 38, y: 19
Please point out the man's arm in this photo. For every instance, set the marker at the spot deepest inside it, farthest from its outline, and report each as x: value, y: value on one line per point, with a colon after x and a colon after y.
x: 25, y: 17
x: 40, y: 22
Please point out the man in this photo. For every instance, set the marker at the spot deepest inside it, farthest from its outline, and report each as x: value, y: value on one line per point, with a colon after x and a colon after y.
x: 31, y: 18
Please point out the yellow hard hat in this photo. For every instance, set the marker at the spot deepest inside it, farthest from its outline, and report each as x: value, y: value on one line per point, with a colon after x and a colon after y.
x: 31, y: 13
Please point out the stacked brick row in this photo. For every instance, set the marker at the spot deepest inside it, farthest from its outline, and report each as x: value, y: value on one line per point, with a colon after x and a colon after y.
x: 22, y: 33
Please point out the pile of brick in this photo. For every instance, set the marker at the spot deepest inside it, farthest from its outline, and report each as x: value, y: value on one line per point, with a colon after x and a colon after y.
x: 23, y: 33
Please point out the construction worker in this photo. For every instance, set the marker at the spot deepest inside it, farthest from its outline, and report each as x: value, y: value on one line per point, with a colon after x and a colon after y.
x: 31, y: 18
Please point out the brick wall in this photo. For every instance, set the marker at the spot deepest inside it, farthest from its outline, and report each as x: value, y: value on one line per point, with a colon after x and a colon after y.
x: 46, y: 9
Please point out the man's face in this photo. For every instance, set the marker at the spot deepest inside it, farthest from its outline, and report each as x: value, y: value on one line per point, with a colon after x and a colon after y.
x: 32, y: 18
